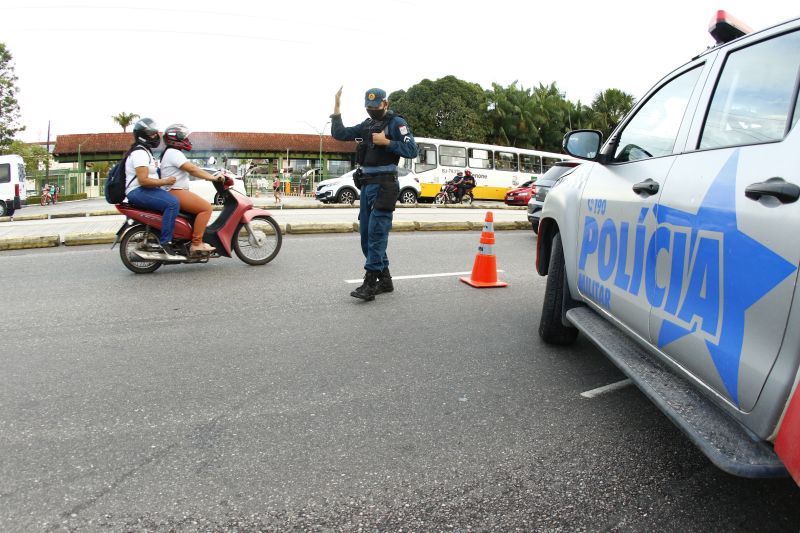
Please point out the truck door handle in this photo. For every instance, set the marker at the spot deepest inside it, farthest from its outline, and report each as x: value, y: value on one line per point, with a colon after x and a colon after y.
x: 647, y: 187
x: 786, y: 193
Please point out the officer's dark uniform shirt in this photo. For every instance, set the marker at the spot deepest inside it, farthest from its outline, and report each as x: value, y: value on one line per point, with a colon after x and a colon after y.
x: 379, y: 159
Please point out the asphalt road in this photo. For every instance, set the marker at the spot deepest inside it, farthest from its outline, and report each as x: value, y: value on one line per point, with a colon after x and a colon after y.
x: 224, y: 397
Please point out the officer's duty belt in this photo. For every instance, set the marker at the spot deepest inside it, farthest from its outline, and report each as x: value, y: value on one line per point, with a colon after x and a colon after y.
x: 367, y: 179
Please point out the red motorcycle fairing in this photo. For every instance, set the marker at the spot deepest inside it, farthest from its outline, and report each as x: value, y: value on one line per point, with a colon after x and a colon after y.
x: 183, y: 230
x: 225, y: 234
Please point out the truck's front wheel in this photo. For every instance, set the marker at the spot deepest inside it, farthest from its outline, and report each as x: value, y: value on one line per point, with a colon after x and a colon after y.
x: 551, y: 328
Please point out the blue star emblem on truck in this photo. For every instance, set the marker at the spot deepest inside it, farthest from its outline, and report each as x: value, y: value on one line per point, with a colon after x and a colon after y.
x: 735, y: 271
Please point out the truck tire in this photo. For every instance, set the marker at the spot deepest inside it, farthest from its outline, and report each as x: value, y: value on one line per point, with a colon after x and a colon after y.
x: 551, y: 328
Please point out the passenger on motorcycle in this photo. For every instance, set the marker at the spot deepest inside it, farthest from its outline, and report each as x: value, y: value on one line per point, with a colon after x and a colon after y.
x: 464, y: 182
x: 175, y: 164
x: 144, y: 184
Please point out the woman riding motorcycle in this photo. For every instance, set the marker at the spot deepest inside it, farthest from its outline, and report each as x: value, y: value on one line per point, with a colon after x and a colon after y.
x: 175, y: 164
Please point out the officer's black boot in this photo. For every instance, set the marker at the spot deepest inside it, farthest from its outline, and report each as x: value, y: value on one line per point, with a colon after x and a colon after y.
x: 367, y: 290
x: 384, y: 282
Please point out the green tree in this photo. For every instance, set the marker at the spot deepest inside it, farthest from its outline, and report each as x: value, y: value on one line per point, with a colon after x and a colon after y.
x: 34, y: 155
x: 609, y: 108
x: 447, y: 108
x: 507, y: 117
x: 580, y: 117
x: 527, y: 118
x: 9, y: 107
x: 125, y: 119
x: 550, y: 115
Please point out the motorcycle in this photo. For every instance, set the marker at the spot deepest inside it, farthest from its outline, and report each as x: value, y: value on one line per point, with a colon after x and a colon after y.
x: 449, y: 195
x: 249, y: 232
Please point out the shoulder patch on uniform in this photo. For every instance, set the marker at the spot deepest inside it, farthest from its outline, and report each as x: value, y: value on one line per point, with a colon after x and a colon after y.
x: 406, y: 139
x: 403, y: 130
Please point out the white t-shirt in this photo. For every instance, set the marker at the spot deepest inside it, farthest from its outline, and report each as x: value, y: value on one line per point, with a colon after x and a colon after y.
x: 171, y: 163
x: 139, y: 158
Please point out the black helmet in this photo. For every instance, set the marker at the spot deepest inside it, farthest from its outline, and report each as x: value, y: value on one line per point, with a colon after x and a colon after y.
x: 145, y: 132
x: 177, y: 136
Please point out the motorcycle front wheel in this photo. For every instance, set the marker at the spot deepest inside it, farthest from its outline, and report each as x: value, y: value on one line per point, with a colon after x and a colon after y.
x: 260, y: 246
x: 440, y: 198
x: 138, y: 237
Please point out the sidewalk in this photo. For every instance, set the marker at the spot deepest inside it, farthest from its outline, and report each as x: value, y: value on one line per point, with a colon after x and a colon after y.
x: 95, y: 222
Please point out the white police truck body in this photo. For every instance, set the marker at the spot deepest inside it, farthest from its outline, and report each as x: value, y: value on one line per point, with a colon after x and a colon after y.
x: 675, y: 250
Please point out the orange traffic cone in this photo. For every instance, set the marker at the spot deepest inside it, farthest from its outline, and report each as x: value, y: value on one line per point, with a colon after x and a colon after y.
x: 484, y: 271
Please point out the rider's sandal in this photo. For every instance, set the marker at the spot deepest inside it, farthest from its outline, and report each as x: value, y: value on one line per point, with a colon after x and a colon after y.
x: 201, y: 249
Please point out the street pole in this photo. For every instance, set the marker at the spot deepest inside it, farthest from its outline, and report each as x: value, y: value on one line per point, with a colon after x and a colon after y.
x: 79, y: 187
x: 321, y: 133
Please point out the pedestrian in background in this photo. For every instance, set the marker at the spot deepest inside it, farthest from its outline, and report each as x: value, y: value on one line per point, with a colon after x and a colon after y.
x: 276, y: 189
x: 385, y: 138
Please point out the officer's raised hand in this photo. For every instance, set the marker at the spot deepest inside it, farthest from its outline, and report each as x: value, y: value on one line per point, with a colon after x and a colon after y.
x: 379, y: 139
x: 338, y: 100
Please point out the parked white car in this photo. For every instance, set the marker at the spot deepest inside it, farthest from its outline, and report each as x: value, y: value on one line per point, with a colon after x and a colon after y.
x: 205, y: 189
x: 342, y: 190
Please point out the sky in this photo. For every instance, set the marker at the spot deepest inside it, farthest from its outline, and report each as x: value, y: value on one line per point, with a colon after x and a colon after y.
x: 275, y: 67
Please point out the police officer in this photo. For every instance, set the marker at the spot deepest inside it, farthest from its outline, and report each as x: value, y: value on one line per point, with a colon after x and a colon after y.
x: 382, y: 139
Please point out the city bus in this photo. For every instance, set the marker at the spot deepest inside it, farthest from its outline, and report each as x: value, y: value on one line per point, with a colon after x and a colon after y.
x: 496, y: 168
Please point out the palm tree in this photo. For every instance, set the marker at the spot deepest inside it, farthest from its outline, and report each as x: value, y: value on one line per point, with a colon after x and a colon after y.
x: 125, y: 119
x: 610, y: 107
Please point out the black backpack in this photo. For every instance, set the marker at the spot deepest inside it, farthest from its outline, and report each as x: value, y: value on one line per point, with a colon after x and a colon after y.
x: 116, y: 182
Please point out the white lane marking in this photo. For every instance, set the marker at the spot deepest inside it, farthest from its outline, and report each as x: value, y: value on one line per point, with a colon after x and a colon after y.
x: 606, y: 388
x: 418, y: 276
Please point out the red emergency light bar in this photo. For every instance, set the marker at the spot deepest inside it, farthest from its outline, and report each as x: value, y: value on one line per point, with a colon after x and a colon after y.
x: 725, y: 28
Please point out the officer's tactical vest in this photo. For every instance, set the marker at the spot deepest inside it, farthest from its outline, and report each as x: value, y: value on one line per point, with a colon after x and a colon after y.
x: 377, y: 156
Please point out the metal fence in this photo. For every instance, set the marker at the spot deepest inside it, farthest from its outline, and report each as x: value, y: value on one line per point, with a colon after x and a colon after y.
x: 70, y: 181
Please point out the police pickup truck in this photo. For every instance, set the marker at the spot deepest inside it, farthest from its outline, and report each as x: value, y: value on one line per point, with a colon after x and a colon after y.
x: 674, y: 248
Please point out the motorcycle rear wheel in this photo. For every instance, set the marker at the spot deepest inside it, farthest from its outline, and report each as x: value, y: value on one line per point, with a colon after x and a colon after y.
x: 260, y: 247
x: 134, y: 238
x: 466, y: 199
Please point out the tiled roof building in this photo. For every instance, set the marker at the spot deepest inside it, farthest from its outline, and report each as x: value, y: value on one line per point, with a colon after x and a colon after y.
x: 235, y: 145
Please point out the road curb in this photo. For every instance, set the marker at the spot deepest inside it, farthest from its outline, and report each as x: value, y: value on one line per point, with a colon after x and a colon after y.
x: 80, y: 239
x: 68, y: 215
x: 443, y: 226
x: 399, y: 225
x: 27, y: 217
x: 22, y: 243
x: 306, y: 228
x: 103, y: 213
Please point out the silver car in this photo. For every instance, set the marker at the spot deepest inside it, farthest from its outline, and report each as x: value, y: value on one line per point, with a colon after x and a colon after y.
x: 543, y: 185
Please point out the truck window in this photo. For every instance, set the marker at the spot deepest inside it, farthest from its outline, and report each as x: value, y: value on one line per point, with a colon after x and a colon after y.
x: 753, y: 99
x: 653, y: 130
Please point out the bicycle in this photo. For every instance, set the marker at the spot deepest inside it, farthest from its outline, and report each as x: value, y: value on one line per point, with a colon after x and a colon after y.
x: 46, y: 198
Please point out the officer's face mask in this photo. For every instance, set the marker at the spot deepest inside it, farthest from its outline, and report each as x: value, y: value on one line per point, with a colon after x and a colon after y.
x: 376, y: 113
